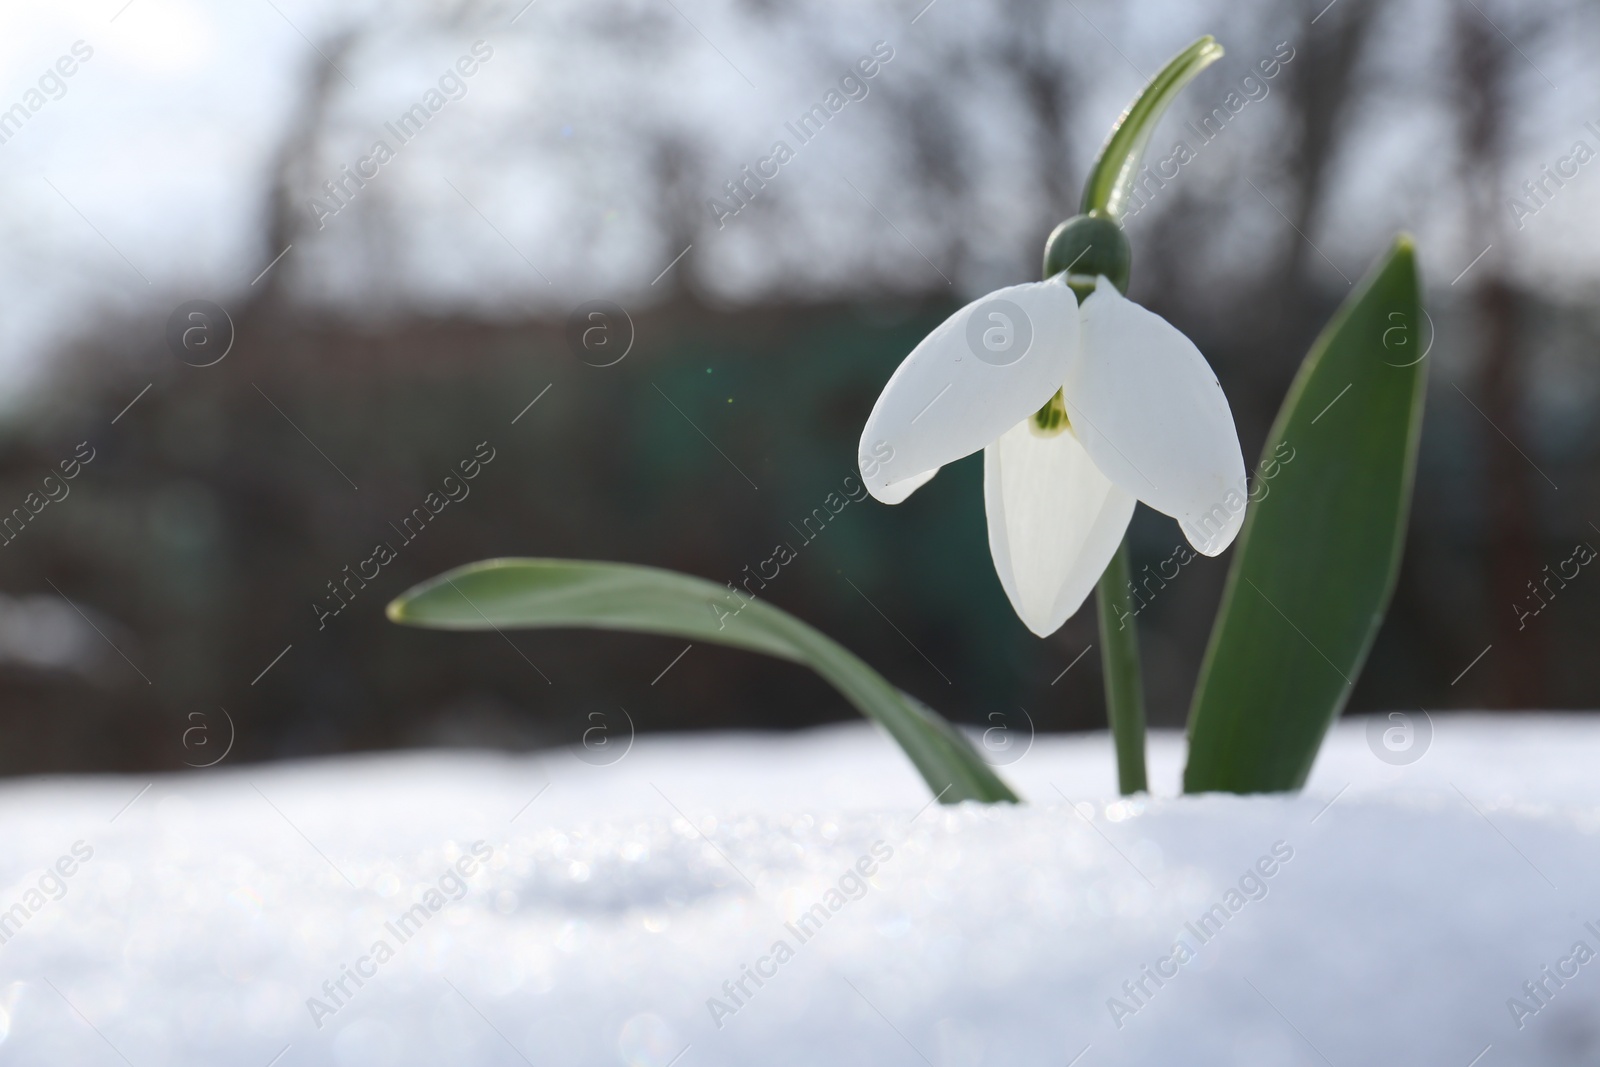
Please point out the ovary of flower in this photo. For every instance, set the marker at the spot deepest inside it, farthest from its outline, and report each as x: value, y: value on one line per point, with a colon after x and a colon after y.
x: 1145, y: 419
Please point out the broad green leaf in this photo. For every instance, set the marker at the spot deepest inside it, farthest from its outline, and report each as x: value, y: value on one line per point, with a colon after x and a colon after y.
x: 546, y: 593
x: 1117, y: 168
x: 1318, y: 555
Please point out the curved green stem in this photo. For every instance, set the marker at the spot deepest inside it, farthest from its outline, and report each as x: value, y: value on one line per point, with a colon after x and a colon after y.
x: 1105, y: 194
x: 1112, y: 178
x: 1119, y: 658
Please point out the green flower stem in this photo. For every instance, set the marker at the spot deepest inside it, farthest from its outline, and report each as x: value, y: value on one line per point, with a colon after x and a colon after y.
x: 1116, y: 170
x: 1105, y: 197
x: 1119, y: 659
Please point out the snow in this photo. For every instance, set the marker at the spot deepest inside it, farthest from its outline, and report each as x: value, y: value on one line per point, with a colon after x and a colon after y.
x: 1392, y: 925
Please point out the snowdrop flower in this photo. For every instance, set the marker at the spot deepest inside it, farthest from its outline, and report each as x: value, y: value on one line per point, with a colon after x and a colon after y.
x: 1080, y: 412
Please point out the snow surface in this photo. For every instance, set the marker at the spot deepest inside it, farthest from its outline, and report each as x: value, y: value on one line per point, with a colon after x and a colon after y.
x: 617, y: 900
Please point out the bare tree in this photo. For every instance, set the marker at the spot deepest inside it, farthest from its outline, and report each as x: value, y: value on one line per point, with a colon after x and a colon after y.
x: 1483, y: 60
x: 1321, y: 87
x: 293, y: 178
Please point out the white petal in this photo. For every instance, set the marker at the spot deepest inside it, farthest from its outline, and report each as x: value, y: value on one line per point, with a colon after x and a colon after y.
x: 1054, y: 523
x: 1151, y: 413
x: 898, y: 491
x: 984, y: 369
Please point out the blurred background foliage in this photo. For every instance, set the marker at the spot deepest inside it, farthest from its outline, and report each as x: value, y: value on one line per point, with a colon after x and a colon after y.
x: 386, y: 346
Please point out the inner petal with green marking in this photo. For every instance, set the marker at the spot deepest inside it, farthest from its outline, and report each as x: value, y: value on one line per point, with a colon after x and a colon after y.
x: 1051, y: 419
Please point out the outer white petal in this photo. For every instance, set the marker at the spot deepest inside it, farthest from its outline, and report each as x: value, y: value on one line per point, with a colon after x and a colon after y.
x: 1054, y: 523
x: 898, y: 491
x: 1151, y: 413
x: 984, y: 369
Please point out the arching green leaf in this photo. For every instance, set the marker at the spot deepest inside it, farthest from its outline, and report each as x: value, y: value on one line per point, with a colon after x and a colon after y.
x: 546, y: 593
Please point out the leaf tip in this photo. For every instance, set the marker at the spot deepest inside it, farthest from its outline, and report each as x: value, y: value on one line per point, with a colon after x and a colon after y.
x: 1402, y: 256
x: 395, y: 610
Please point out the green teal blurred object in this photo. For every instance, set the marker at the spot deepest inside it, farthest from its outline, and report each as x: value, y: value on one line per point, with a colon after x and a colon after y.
x: 1316, y: 562
x: 548, y: 593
